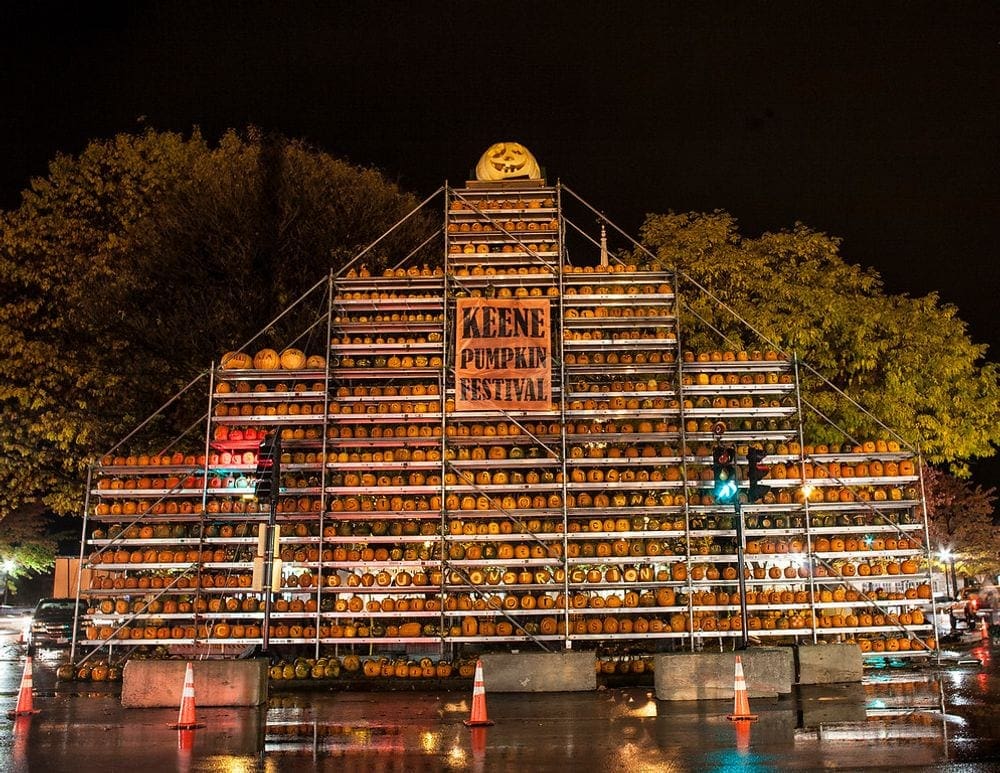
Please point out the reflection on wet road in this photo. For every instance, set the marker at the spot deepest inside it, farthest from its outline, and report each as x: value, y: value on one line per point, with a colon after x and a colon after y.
x: 898, y: 718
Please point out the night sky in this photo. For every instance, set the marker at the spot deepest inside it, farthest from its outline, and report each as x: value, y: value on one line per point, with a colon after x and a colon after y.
x: 876, y: 122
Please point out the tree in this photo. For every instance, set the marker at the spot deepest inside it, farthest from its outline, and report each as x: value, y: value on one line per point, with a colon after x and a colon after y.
x: 27, y: 543
x: 130, y: 268
x: 960, y: 520
x: 908, y: 361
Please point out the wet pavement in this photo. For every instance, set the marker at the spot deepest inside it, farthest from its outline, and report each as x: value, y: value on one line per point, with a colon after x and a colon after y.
x: 945, y: 718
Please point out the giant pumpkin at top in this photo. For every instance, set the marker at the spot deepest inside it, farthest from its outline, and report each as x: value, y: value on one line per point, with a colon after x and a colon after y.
x: 507, y: 161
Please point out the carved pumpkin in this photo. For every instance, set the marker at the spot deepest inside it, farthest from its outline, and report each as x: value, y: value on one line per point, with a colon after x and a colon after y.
x: 292, y: 359
x: 235, y: 361
x: 266, y: 359
x: 507, y: 161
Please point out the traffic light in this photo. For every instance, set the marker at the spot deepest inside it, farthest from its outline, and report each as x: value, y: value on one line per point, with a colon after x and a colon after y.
x: 757, y: 472
x: 268, y: 467
x: 726, y: 488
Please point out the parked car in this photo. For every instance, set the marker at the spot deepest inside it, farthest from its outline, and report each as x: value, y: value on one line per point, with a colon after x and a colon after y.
x: 51, y: 624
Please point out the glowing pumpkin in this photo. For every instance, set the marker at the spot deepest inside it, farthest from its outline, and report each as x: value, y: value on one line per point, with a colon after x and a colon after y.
x: 267, y: 359
x: 507, y: 161
x: 235, y: 361
x: 291, y: 359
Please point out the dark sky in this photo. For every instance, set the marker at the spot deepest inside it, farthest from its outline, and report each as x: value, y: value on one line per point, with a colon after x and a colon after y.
x: 878, y: 122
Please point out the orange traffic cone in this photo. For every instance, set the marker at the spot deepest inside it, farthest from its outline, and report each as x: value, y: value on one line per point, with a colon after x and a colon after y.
x: 984, y: 631
x: 478, y: 718
x: 186, y: 720
x: 741, y: 704
x: 25, y: 697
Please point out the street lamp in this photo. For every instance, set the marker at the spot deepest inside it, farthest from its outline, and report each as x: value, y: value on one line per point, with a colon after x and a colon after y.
x: 949, y: 558
x: 9, y: 565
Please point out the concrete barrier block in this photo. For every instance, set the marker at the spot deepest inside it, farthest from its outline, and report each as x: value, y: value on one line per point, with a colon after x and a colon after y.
x: 539, y: 671
x: 158, y: 683
x: 829, y: 663
x: 695, y: 676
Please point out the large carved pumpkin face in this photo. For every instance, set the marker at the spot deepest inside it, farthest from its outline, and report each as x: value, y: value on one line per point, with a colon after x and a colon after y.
x: 507, y: 161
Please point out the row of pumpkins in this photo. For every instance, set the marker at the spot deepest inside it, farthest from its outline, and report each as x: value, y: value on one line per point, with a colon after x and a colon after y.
x: 521, y: 271
x: 371, y: 503
x: 618, y: 336
x: 91, y: 671
x: 617, y: 289
x: 487, y: 204
x: 425, y: 271
x: 291, y: 358
x: 621, y: 312
x: 454, y: 503
x: 268, y: 387
x: 413, y: 527
x: 295, y: 359
x: 624, y: 664
x: 424, y: 668
x: 351, y: 665
x: 488, y: 575
x: 202, y: 579
x: 483, y: 248
x: 895, y: 644
x: 678, y: 572
x: 388, y: 295
x: 388, y: 340
x: 612, y: 268
x: 389, y: 316
x: 327, y: 667
x: 607, y: 624
x: 663, y: 597
x: 825, y: 624
x: 270, y: 359
x: 466, y: 227
x: 410, y: 272
x: 224, y: 433
x: 863, y: 467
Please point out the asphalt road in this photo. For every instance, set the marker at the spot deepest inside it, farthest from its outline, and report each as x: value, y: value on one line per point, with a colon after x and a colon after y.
x: 917, y: 719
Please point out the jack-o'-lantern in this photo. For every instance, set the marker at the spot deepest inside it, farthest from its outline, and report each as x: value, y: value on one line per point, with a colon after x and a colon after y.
x: 292, y: 359
x: 507, y: 161
x: 267, y: 359
x: 236, y: 361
